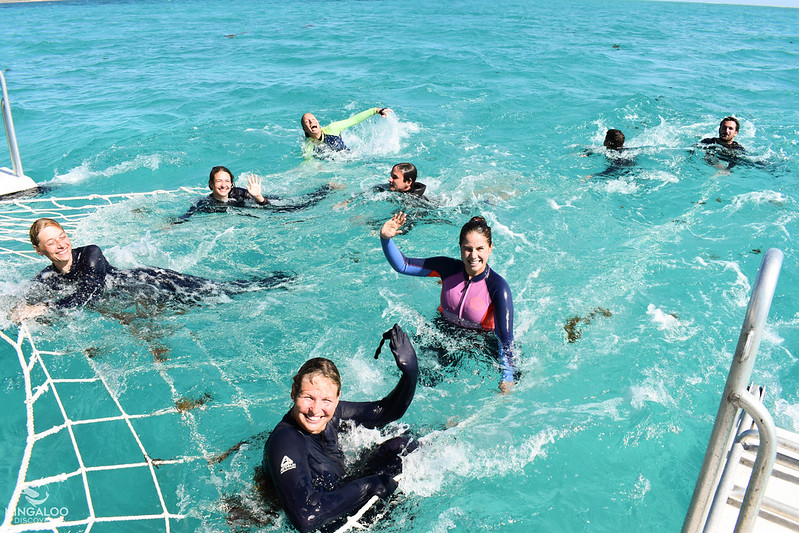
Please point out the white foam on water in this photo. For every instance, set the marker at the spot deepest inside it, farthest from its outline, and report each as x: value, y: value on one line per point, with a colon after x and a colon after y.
x: 663, y: 320
x: 674, y: 329
x: 738, y: 293
x: 377, y: 136
x: 85, y: 172
x: 745, y: 200
x: 651, y: 390
x: 557, y: 207
x: 620, y: 186
x: 443, y: 458
x: 786, y: 410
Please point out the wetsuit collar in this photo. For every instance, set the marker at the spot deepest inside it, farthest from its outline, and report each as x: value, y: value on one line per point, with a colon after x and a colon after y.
x: 417, y: 189
x: 478, y: 277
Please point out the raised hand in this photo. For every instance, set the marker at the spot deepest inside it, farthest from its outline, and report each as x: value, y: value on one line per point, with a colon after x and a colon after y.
x: 403, y: 350
x: 254, y: 187
x: 392, y: 226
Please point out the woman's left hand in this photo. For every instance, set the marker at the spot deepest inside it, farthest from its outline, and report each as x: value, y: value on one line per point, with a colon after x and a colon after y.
x: 254, y: 187
x: 403, y: 350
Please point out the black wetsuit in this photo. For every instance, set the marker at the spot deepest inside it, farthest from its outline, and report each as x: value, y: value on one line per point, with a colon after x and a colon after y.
x: 718, y: 151
x: 716, y: 141
x: 240, y: 197
x: 417, y: 190
x: 90, y: 273
x: 308, y: 470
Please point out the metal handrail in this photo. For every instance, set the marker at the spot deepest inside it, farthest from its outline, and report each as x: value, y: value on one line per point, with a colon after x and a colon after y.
x: 16, y: 162
x: 734, y: 398
x: 764, y: 462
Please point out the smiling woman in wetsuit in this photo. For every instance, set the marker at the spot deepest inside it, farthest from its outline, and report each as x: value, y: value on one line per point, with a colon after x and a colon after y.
x: 472, y: 295
x: 302, y: 454
x: 224, y: 195
x: 77, y: 277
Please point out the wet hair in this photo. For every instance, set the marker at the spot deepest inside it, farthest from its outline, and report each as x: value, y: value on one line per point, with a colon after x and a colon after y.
x: 318, y: 366
x: 477, y: 225
x: 39, y: 225
x: 614, y: 140
x: 731, y: 119
x: 214, y: 171
x: 408, y: 171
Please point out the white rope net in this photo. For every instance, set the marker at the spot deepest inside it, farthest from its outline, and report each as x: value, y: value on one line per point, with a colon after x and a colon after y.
x: 16, y: 216
x: 44, y: 386
x: 28, y: 509
x: 58, y: 385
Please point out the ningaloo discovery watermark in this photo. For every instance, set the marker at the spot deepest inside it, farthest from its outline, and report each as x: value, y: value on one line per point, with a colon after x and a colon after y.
x: 37, y: 509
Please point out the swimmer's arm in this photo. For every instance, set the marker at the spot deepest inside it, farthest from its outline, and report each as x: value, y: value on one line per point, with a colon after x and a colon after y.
x: 392, y: 407
x: 335, y: 128
x: 23, y: 312
x: 503, y: 326
x: 405, y: 265
x: 307, y: 508
x: 199, y: 205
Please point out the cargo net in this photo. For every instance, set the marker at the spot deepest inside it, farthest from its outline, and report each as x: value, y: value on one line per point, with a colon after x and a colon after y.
x: 79, y: 497
x: 16, y: 216
x: 62, y: 485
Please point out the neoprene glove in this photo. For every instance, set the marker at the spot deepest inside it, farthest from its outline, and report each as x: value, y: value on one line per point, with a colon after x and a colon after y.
x: 389, y: 485
x: 403, y: 351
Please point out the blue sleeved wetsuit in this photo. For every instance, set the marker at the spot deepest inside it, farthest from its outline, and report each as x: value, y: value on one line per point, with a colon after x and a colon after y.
x: 308, y: 470
x: 483, y: 302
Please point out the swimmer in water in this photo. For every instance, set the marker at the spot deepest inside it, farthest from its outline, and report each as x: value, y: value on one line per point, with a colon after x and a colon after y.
x: 225, y: 195
x: 728, y: 129
x: 303, y: 456
x: 472, y: 295
x: 614, y: 140
x: 322, y: 140
x: 723, y: 151
x: 619, y: 162
x: 84, y: 273
x: 403, y: 179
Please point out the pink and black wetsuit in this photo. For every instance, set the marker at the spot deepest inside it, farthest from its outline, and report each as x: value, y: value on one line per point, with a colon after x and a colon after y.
x: 483, y: 302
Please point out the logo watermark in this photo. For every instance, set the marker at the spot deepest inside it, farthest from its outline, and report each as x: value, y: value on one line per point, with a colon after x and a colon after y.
x: 37, y: 509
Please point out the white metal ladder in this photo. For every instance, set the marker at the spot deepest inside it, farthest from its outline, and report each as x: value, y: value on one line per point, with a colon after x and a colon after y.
x: 742, y: 462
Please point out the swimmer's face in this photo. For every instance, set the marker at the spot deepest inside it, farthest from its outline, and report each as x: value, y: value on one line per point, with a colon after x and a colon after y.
x: 54, y: 244
x: 475, y: 252
x: 315, y: 403
x: 221, y: 185
x: 311, y: 126
x: 396, y: 181
x: 727, y: 131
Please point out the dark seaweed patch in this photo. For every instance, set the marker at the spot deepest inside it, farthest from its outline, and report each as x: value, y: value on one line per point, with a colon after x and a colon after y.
x: 187, y: 404
x: 573, y: 332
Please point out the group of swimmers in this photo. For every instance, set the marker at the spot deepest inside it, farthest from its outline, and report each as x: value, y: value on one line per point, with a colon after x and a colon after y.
x: 302, y: 456
x: 724, y: 147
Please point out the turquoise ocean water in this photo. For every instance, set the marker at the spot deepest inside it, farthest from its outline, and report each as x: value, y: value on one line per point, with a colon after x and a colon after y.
x: 646, y: 272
